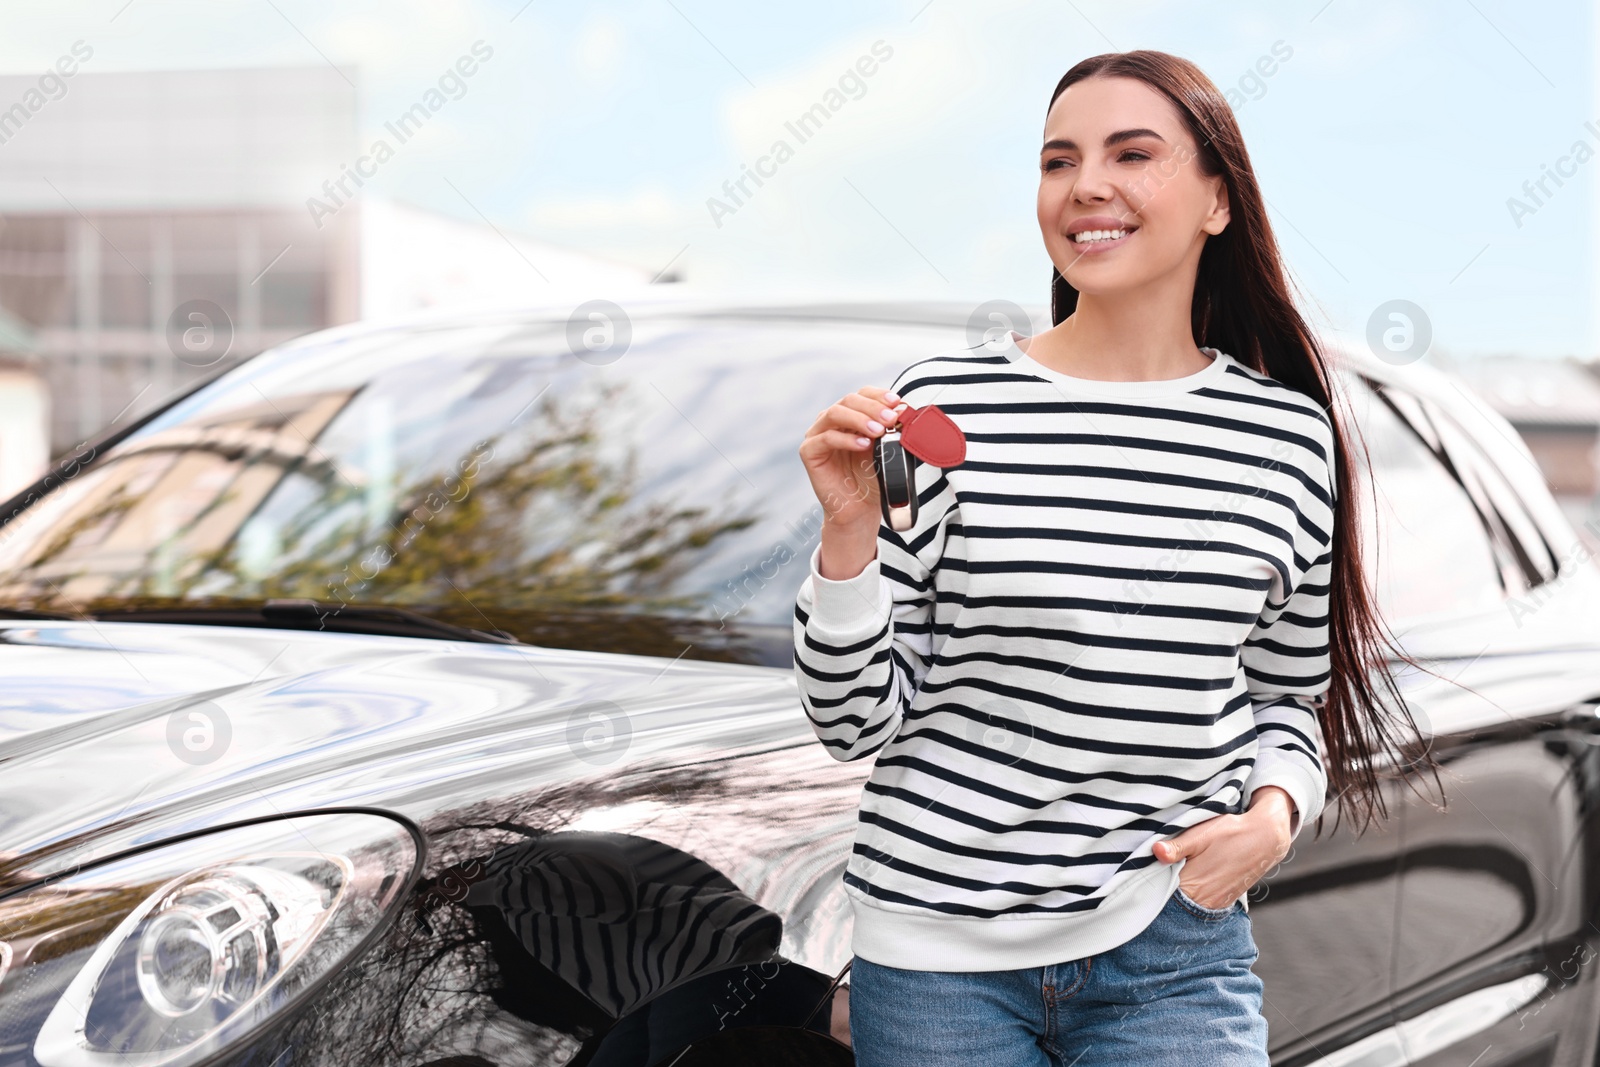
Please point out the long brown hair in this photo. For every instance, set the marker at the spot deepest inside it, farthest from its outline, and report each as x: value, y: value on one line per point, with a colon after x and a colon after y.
x: 1242, y: 306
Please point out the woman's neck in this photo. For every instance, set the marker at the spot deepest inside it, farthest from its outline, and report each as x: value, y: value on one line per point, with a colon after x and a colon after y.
x: 1103, y: 344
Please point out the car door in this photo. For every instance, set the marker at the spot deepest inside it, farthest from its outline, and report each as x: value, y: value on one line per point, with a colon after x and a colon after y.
x: 1482, y: 875
x: 1324, y: 925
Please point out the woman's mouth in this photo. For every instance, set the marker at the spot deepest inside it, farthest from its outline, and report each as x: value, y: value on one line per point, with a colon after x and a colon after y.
x: 1088, y: 241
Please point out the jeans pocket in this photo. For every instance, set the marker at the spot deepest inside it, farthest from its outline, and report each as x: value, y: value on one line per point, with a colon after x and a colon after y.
x: 1201, y: 911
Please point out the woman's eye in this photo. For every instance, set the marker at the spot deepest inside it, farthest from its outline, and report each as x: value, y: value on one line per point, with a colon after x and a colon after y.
x: 1131, y: 155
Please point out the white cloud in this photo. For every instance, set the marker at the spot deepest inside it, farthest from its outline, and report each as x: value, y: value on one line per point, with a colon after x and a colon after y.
x: 926, y: 74
x: 599, y: 51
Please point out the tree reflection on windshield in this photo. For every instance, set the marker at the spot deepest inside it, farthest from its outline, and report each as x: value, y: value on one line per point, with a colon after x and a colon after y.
x: 536, y: 529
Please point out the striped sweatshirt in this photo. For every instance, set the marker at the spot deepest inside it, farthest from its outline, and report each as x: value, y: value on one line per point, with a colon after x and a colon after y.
x: 1108, y: 624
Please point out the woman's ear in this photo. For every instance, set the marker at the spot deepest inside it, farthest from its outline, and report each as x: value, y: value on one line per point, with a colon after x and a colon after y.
x: 1217, y: 221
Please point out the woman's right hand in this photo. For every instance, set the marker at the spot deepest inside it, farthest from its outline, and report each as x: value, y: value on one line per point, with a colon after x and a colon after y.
x: 837, y: 453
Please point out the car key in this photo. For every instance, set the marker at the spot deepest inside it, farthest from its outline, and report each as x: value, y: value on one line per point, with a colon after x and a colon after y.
x: 926, y: 433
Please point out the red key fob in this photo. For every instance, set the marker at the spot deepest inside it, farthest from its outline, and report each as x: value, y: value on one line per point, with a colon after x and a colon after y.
x: 931, y: 436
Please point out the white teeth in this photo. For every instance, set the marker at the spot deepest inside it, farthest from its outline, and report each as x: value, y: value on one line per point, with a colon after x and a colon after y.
x: 1099, y: 235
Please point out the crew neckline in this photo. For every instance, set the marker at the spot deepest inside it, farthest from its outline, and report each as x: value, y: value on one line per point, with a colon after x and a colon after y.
x: 1149, y: 387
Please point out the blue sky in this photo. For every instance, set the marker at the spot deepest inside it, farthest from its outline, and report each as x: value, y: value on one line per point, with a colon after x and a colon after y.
x: 1388, y: 142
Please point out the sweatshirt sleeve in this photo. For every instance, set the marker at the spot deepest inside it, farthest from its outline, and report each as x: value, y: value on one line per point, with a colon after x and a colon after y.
x: 863, y: 645
x: 1286, y: 657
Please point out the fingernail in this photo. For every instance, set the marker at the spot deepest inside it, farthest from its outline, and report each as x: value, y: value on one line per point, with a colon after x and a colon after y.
x: 886, y: 415
x: 893, y: 398
x: 874, y: 427
x: 862, y: 441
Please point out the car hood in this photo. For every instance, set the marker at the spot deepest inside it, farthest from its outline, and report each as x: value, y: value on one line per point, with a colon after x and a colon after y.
x: 112, y: 735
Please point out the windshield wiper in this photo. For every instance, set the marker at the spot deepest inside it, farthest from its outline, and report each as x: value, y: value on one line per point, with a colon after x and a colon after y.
x: 32, y: 613
x: 294, y: 614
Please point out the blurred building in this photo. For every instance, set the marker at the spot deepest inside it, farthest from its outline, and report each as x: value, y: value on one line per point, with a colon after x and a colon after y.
x: 134, y: 193
x: 1555, y: 406
x: 155, y: 226
x: 24, y: 408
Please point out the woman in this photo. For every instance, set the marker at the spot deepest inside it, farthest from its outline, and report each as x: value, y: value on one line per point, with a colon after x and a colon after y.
x: 1126, y: 648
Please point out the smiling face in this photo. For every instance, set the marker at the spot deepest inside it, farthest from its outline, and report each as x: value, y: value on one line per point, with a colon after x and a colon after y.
x: 1117, y: 157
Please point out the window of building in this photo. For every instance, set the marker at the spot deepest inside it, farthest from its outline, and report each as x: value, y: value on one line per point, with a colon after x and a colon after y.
x: 293, y: 301
x: 294, y: 291
x: 205, y: 260
x: 125, y: 272
x: 33, y: 269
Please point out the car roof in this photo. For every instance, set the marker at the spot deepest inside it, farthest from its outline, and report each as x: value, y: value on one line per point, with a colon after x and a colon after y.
x: 679, y: 300
x: 1346, y: 352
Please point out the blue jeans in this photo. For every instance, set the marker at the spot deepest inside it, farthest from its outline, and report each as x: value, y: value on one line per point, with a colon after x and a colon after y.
x: 1180, y: 993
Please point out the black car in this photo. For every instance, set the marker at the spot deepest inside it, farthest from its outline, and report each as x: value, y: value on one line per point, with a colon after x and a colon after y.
x: 422, y: 694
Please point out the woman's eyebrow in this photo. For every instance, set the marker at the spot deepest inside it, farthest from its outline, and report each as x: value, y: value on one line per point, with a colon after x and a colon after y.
x: 1111, y: 139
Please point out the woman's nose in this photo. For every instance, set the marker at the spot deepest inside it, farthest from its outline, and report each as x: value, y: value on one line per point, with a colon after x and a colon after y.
x: 1093, y: 185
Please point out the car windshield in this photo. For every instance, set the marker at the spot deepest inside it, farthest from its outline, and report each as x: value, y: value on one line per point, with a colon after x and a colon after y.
x: 651, y: 502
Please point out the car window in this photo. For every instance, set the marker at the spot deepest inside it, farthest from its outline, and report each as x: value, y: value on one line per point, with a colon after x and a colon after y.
x: 484, y: 475
x: 1425, y: 547
x: 1518, y: 539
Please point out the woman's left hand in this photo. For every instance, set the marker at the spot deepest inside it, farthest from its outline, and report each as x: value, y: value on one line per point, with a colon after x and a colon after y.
x: 1228, y: 854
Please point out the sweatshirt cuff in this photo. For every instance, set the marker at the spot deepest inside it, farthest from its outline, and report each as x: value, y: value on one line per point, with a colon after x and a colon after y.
x: 1274, y: 768
x: 848, y: 607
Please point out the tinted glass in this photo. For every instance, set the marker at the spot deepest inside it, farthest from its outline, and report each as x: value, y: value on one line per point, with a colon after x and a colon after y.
x: 1426, y: 550
x: 482, y: 475
x: 1527, y: 558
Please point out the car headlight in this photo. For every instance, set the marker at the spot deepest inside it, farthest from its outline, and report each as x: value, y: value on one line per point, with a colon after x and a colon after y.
x: 164, y: 957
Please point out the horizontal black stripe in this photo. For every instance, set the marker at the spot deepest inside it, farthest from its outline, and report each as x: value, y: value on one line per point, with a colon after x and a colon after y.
x: 1084, y: 637
x: 1088, y: 674
x: 1209, y: 579
x: 1123, y: 507
x: 1107, y: 537
x: 1034, y: 801
x: 1278, y: 648
x: 1042, y: 605
x: 1124, y: 477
